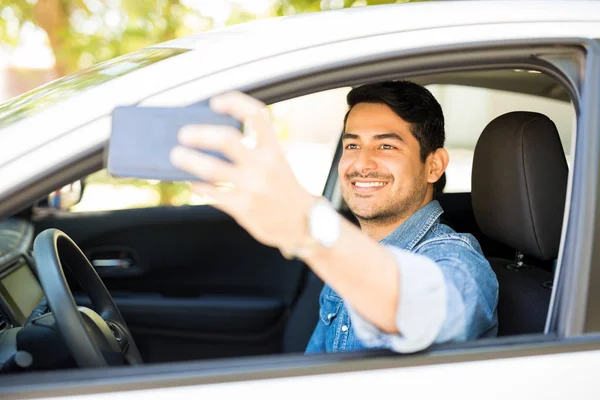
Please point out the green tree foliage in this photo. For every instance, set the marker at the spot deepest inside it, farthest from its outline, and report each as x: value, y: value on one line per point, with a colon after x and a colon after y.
x: 84, y: 32
x: 288, y: 7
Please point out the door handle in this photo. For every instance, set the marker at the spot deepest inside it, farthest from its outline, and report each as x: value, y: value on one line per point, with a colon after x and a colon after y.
x: 116, y: 263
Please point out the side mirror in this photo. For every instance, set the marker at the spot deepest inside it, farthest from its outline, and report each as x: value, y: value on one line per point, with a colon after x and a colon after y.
x: 67, y: 196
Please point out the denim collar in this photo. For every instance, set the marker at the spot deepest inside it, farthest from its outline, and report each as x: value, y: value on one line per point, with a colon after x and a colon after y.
x: 411, y: 231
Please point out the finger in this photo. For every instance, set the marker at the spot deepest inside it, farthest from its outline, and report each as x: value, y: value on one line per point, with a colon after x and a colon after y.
x: 251, y: 112
x: 224, y: 139
x: 237, y: 104
x: 224, y: 199
x: 204, y: 166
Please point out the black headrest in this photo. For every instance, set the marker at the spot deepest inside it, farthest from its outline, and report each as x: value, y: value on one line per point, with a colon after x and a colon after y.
x: 519, y: 183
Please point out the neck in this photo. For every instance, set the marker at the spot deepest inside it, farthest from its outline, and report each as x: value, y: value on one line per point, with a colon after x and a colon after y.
x: 378, y: 229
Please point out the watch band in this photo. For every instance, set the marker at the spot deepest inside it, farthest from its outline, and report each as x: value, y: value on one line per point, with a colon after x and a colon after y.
x: 322, y: 230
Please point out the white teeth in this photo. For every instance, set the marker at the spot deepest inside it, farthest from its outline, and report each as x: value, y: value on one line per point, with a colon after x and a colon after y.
x: 369, y: 184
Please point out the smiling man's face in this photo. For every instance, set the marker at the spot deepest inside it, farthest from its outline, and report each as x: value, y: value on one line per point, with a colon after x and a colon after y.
x: 383, y: 179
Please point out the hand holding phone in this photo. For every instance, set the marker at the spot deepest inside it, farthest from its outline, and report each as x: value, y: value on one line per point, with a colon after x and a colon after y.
x: 142, y: 139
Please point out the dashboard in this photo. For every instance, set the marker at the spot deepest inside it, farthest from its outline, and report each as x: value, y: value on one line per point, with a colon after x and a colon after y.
x: 20, y: 291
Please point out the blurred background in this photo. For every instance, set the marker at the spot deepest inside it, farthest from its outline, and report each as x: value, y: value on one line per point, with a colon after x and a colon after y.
x: 41, y: 40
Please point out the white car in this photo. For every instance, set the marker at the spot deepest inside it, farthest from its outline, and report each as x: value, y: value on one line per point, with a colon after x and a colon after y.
x: 203, y: 309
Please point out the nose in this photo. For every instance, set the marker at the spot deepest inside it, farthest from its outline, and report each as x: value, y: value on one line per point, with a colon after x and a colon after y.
x: 364, y: 162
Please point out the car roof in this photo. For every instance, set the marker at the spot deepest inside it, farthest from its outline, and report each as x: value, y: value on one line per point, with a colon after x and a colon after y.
x: 311, y: 29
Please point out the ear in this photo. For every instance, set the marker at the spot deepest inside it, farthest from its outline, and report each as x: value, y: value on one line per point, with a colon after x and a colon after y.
x: 438, y: 161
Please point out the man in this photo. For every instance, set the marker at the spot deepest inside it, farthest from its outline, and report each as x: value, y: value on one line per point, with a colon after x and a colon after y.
x: 406, y: 280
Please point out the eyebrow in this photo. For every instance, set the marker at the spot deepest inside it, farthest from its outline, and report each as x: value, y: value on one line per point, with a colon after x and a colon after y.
x: 382, y: 136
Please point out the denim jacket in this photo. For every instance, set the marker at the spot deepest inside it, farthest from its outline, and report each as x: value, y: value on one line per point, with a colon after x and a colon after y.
x: 469, y: 290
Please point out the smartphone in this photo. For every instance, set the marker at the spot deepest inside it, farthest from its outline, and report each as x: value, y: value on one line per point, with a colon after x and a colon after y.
x: 142, y: 138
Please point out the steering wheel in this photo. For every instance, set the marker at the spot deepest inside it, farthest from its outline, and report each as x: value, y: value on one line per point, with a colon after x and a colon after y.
x: 94, y: 339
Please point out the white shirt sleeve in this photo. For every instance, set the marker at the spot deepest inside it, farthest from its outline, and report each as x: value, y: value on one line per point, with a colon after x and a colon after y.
x: 421, y: 306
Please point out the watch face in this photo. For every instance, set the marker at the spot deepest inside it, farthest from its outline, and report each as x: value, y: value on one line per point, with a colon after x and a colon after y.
x: 324, y: 223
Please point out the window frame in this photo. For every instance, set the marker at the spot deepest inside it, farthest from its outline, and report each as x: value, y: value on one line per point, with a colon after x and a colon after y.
x: 515, y: 54
x: 590, y: 182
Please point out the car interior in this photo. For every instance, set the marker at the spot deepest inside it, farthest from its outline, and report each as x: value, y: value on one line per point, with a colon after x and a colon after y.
x: 191, y: 284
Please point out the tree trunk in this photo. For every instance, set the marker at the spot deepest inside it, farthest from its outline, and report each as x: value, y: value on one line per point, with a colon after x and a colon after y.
x: 52, y: 17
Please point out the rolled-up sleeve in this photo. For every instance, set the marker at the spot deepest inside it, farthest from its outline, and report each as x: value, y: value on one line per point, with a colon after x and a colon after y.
x: 439, y: 300
x: 421, y: 307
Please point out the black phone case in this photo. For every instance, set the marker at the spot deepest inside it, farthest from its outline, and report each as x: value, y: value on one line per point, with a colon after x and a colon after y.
x: 143, y: 137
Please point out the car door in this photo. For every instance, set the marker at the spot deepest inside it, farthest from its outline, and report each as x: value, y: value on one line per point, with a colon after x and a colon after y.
x: 552, y: 366
x: 572, y: 311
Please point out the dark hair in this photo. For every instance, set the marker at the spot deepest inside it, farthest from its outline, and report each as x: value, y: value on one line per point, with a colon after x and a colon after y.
x: 411, y: 102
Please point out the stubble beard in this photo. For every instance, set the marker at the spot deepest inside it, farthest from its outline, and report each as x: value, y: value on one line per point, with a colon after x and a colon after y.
x: 395, y: 208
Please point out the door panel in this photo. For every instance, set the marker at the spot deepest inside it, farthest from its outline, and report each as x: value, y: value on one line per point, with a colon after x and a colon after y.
x: 170, y: 329
x: 189, y: 281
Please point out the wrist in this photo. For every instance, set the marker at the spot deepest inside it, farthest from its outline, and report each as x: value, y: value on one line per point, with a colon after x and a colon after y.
x: 298, y: 222
x: 318, y: 228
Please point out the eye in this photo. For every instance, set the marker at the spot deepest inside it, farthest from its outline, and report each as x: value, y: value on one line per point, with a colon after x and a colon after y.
x: 351, y: 146
x: 386, y: 147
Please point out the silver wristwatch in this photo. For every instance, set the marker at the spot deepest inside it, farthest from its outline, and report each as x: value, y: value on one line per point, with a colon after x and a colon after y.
x: 323, y: 225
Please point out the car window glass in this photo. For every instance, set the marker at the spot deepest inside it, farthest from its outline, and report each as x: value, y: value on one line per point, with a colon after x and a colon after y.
x: 467, y: 111
x: 308, y: 128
